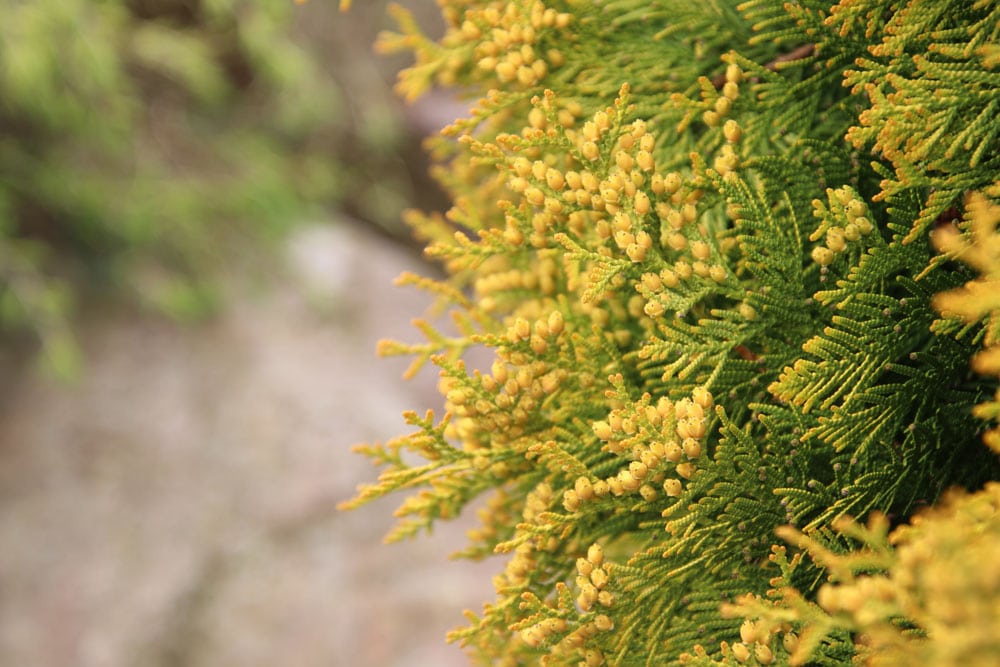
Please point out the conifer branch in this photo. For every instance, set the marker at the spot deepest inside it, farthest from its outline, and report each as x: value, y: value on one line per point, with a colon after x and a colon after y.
x: 713, y: 307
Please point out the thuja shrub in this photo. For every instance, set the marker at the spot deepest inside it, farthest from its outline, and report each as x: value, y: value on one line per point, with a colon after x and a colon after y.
x: 145, y: 143
x: 732, y: 262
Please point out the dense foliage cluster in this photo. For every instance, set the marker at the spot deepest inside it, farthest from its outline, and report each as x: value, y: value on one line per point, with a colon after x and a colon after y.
x: 142, y: 142
x: 720, y: 254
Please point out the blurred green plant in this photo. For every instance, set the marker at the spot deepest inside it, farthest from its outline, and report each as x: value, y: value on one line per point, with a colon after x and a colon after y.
x: 144, y: 144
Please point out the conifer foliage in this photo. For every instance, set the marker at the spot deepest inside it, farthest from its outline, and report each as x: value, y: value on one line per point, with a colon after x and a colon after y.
x: 721, y: 255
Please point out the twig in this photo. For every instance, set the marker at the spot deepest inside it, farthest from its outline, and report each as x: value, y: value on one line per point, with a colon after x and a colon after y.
x: 797, y: 53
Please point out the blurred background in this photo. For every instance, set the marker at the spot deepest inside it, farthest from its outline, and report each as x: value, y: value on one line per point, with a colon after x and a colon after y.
x: 199, y: 229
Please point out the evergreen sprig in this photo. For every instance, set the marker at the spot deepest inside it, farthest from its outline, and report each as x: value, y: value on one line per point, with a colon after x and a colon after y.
x: 712, y: 299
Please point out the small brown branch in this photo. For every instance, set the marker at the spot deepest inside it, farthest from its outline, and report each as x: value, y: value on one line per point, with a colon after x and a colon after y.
x: 797, y: 53
x: 947, y: 217
x: 746, y: 353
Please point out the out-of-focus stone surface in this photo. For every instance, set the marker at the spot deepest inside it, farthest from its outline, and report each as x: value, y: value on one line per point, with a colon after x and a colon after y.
x: 175, y: 507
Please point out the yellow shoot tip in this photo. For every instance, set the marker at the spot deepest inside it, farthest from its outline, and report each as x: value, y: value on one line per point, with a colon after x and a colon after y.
x: 344, y: 4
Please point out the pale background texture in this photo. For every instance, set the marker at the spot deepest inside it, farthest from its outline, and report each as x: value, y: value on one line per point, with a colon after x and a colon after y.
x: 175, y: 507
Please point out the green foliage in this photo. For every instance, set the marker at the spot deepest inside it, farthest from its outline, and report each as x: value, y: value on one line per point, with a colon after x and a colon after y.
x: 141, y: 144
x: 910, y: 596
x: 711, y: 294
